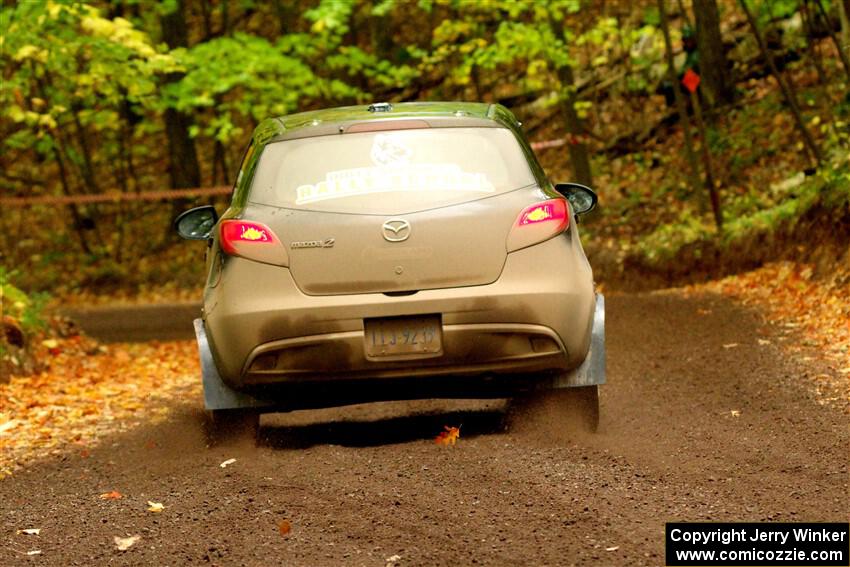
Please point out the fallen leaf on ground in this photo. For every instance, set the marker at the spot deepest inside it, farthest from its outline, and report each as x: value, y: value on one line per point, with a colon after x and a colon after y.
x: 815, y: 309
x: 81, y: 396
x: 114, y: 495
x: 735, y: 413
x: 285, y: 526
x: 615, y: 548
x: 227, y: 462
x: 730, y: 345
x: 449, y: 436
x: 391, y: 560
x: 30, y: 531
x: 155, y: 506
x: 125, y: 543
x: 34, y: 552
x: 764, y: 342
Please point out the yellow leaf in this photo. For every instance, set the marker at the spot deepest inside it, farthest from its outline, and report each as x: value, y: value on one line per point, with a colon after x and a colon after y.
x: 155, y: 506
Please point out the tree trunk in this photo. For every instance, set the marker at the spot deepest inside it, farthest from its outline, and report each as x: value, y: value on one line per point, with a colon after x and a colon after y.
x: 811, y: 49
x: 842, y: 49
x: 579, y: 156
x: 77, y: 218
x: 685, y: 15
x: 225, y: 17
x: 284, y: 16
x: 182, y: 157
x: 787, y: 93
x: 706, y: 164
x: 681, y: 108
x: 714, y: 67
x: 844, y: 14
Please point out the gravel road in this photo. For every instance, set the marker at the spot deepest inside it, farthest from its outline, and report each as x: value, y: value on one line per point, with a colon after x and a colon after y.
x: 693, y: 428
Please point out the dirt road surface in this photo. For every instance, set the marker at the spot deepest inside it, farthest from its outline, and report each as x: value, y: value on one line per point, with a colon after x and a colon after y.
x: 692, y: 429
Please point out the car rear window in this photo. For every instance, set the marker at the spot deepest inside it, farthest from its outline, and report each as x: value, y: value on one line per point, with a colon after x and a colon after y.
x: 385, y: 171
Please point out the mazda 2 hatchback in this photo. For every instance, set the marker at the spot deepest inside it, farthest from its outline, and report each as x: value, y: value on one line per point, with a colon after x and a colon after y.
x: 392, y: 252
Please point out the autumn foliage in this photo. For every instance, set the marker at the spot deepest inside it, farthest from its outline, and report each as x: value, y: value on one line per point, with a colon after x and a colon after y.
x: 448, y: 436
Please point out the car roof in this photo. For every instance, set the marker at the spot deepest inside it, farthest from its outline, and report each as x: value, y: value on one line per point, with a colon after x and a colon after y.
x: 333, y: 120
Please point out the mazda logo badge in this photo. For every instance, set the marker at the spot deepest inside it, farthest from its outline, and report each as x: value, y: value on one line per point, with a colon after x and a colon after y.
x: 396, y: 230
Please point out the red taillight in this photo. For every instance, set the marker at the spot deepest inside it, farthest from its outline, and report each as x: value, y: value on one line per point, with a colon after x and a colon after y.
x: 538, y: 222
x: 547, y: 211
x: 252, y: 240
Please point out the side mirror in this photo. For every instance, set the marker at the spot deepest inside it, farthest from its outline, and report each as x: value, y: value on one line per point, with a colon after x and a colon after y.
x: 582, y: 199
x: 197, y: 223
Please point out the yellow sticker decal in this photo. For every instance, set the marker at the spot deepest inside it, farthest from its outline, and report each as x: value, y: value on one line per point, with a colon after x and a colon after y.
x: 538, y: 214
x: 252, y: 233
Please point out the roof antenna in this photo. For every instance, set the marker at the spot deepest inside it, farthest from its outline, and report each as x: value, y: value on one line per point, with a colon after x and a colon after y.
x: 380, y: 107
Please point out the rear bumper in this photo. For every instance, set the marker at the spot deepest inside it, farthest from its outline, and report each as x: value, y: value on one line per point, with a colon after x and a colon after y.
x: 535, y: 317
x: 468, y: 350
x: 319, y: 394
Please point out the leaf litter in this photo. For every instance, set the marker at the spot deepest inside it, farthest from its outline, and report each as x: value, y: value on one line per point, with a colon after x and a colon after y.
x: 815, y: 310
x: 85, y: 393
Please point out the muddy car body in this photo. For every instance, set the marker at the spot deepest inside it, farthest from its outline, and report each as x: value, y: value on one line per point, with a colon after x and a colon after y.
x: 395, y: 252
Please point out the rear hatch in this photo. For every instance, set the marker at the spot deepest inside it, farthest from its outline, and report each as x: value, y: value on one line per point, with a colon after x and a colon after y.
x: 393, y: 211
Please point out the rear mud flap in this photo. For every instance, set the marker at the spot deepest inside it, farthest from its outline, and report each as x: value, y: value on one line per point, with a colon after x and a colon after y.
x: 217, y: 394
x: 592, y: 370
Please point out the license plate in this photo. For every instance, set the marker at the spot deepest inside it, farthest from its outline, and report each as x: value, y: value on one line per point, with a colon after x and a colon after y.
x: 403, y: 337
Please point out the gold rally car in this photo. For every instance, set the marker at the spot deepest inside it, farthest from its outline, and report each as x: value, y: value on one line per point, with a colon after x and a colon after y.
x: 389, y: 252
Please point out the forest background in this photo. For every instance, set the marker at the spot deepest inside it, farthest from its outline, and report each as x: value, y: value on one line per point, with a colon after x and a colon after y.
x: 105, y: 102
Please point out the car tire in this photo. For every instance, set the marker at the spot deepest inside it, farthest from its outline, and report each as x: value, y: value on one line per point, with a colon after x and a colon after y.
x: 233, y: 425
x: 560, y: 411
